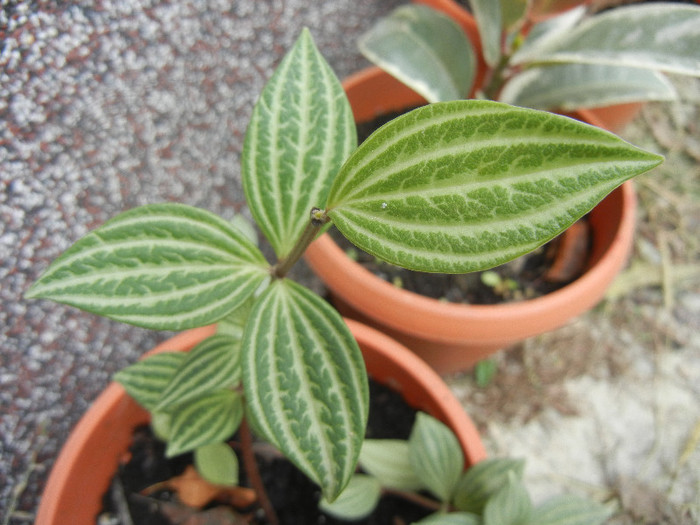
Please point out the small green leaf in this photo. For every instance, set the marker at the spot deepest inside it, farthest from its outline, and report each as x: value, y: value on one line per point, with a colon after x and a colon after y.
x: 217, y: 464
x: 160, y: 424
x: 305, y: 383
x: 484, y: 372
x: 387, y: 460
x: 466, y: 185
x: 233, y: 324
x: 425, y: 49
x: 451, y: 518
x: 161, y: 266
x: 509, y: 506
x: 301, y: 131
x: 357, y: 500
x: 483, y: 480
x: 488, y: 19
x: 570, y: 510
x: 213, y: 364
x: 146, y: 380
x: 208, y: 419
x: 572, y: 86
x: 661, y: 36
x: 436, y: 456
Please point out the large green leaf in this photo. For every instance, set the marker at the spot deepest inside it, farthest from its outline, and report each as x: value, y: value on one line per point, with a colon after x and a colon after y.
x: 301, y: 131
x: 572, y: 86
x: 569, y: 510
x: 305, y: 383
x: 436, y: 456
x: 388, y: 461
x: 466, y: 185
x: 146, y: 380
x: 162, y: 266
x: 211, y: 418
x: 213, y: 364
x: 357, y: 500
x: 425, y: 49
x: 488, y: 19
x: 662, y: 36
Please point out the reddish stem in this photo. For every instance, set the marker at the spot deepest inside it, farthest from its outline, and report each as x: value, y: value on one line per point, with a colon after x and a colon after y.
x: 251, y: 468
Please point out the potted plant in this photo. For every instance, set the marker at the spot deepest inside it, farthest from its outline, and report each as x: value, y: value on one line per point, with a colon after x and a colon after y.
x: 303, y: 381
x: 432, y: 57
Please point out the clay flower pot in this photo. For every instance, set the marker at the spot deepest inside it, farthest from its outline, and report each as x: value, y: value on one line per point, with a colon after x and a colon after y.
x: 453, y: 337
x: 99, y: 441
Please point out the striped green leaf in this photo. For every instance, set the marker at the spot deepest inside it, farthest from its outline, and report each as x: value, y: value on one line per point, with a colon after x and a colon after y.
x: 305, y: 383
x: 357, y: 501
x: 570, y: 510
x: 483, y: 480
x: 425, y: 49
x: 661, y: 36
x: 488, y: 18
x: 466, y: 185
x: 509, y: 506
x: 162, y: 266
x: 211, y: 418
x: 572, y: 86
x: 436, y: 456
x: 213, y: 364
x: 451, y: 518
x: 217, y: 463
x: 387, y: 460
x: 146, y: 380
x: 300, y: 133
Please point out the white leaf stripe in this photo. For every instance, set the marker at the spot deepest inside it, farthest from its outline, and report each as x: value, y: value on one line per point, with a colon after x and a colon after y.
x: 213, y: 364
x: 387, y: 148
x: 300, y: 133
x: 146, y: 380
x: 317, y: 421
x: 209, y: 419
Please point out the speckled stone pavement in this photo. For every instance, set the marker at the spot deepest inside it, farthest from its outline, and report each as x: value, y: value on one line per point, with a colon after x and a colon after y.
x: 105, y: 106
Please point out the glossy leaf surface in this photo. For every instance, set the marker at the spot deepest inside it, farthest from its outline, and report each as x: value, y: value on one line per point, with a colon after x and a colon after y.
x: 161, y: 266
x: 436, y: 456
x: 572, y: 86
x: 301, y: 131
x: 466, y: 185
x: 661, y: 36
x: 305, y: 383
x: 425, y: 49
x: 211, y: 418
x: 509, y: 506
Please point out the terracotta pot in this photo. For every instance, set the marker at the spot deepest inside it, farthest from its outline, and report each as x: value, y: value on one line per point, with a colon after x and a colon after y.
x: 453, y: 337
x: 90, y: 457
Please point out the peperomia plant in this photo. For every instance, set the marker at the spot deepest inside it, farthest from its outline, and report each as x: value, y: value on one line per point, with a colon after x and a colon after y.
x: 577, y: 59
x: 491, y: 492
x: 450, y: 187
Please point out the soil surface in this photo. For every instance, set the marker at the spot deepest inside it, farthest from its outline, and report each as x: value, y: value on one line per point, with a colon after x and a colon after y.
x: 292, y: 494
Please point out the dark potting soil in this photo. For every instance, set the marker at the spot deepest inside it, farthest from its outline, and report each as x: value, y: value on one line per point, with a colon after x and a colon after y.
x: 523, y: 278
x: 293, y: 495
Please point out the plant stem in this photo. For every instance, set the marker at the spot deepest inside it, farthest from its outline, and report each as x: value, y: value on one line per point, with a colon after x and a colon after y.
x: 251, y: 468
x: 317, y: 220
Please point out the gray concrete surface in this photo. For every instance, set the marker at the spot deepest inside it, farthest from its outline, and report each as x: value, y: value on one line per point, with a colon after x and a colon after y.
x: 104, y: 106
